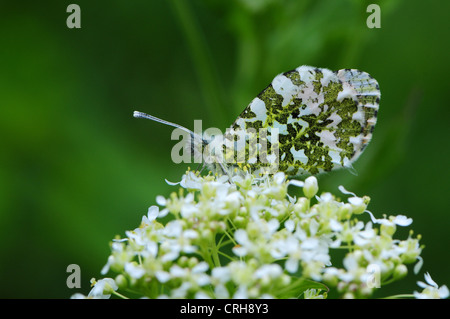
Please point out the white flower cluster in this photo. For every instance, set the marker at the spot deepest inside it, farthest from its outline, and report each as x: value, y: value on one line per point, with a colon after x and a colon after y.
x: 246, y: 237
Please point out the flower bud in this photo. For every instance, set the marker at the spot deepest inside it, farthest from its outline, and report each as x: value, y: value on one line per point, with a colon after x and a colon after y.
x: 358, y: 205
x: 302, y: 205
x: 388, y: 229
x: 400, y: 271
x: 121, y: 281
x: 310, y: 188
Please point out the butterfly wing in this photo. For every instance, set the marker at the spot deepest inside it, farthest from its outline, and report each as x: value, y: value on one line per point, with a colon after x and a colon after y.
x: 324, y: 120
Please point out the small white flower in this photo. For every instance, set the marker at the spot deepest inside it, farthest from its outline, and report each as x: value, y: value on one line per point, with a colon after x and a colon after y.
x: 325, y: 197
x: 335, y: 225
x: 221, y: 274
x: 153, y: 212
x: 103, y: 288
x: 418, y: 265
x: 279, y: 178
x: 431, y: 289
x: 233, y: 199
x: 289, y: 225
x: 171, y: 254
x: 201, y: 267
x: 182, y: 290
x: 221, y: 292
x: 402, y: 220
x: 268, y: 272
x: 296, y: 183
x: 163, y: 213
x: 358, y: 205
x: 173, y: 229
x: 105, y: 268
x: 135, y: 271
x: 191, y: 181
x: 177, y: 271
x: 241, y: 293
x: 139, y: 237
x: 161, y: 201
x: 272, y: 227
x: 311, y: 187
x: 162, y: 276
x: 188, y: 210
x: 241, y: 238
x: 365, y: 237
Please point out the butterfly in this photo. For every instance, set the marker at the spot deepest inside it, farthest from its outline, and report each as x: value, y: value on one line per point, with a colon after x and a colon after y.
x: 306, y: 121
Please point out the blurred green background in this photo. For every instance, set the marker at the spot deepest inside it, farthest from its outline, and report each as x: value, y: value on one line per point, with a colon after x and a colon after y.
x: 76, y: 168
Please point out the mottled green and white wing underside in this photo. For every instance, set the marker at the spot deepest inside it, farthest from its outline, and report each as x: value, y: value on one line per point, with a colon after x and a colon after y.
x: 324, y: 119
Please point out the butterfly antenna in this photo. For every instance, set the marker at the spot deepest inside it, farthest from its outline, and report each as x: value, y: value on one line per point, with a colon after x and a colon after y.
x: 142, y: 115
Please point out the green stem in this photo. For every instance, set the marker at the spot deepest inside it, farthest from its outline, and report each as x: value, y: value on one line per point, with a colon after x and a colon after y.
x: 227, y: 256
x: 206, y: 255
x: 120, y: 295
x: 215, y: 254
x: 399, y: 296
